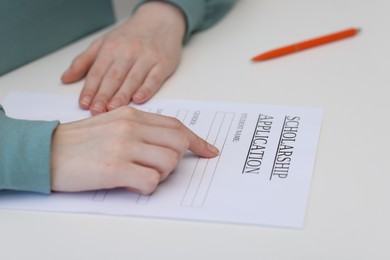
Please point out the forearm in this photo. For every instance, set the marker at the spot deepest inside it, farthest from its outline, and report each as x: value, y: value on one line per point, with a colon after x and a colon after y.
x: 25, y: 154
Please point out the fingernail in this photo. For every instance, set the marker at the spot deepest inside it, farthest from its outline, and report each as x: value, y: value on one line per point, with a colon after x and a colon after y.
x: 212, y: 149
x: 139, y: 97
x: 86, y: 101
x: 114, y: 104
x: 98, y: 107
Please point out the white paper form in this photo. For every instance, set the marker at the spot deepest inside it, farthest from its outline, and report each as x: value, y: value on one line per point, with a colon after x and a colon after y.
x: 261, y: 177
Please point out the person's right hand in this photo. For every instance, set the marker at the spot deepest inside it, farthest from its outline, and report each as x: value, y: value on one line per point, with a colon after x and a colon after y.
x: 122, y: 148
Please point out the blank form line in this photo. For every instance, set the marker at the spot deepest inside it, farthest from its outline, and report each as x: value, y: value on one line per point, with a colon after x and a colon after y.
x: 100, y: 195
x: 204, y: 170
x: 181, y: 115
x: 214, y: 143
x: 193, y: 180
x: 215, y: 168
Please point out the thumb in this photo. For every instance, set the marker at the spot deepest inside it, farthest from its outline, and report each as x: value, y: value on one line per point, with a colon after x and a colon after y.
x: 81, y: 64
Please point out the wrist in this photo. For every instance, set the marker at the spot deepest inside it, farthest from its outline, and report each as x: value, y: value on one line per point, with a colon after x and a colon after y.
x: 161, y: 13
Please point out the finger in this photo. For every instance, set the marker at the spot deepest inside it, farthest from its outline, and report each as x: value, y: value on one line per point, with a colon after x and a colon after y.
x: 152, y: 84
x: 159, y: 158
x: 148, y: 145
x: 133, y: 81
x: 110, y: 83
x: 93, y: 80
x: 133, y: 177
x: 81, y: 64
x: 194, y: 143
x: 202, y: 148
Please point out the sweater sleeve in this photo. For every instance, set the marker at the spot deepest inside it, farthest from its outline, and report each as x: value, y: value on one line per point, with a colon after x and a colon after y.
x: 31, y: 29
x: 199, y: 14
x: 25, y: 154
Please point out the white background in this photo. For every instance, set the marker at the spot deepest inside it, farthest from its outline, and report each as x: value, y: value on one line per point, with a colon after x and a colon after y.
x: 349, y: 206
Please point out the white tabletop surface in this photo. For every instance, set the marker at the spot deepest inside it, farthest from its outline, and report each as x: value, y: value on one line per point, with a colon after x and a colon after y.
x: 348, y: 214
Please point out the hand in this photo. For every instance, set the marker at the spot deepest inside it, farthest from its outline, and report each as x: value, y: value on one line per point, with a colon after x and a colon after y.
x: 122, y: 148
x: 132, y: 61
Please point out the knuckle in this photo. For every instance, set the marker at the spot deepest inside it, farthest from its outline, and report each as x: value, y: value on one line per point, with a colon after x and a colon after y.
x: 151, y: 181
x: 131, y: 51
x: 156, y: 78
x: 118, y: 145
x: 181, y: 135
x: 123, y: 97
x: 95, y: 72
x: 110, y: 43
x: 172, y: 160
x: 151, y: 86
x: 148, y: 91
x: 127, y: 112
x: 175, y: 123
x: 102, y: 97
x: 114, y: 74
x: 87, y: 91
x: 135, y: 46
x: 135, y: 78
x: 183, y: 140
x: 126, y: 126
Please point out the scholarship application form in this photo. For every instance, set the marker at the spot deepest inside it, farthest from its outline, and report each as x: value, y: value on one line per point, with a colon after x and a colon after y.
x: 261, y: 177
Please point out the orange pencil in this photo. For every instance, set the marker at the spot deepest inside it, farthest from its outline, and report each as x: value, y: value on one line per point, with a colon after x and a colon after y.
x: 306, y: 44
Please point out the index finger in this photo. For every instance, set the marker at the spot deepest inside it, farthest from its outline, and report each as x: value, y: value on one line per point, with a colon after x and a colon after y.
x: 201, y: 147
x: 197, y: 144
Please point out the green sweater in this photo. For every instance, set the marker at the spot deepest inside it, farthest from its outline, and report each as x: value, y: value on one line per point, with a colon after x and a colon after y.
x: 31, y: 29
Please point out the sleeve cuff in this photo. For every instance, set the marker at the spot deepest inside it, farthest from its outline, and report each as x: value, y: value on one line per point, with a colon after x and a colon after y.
x: 25, y: 148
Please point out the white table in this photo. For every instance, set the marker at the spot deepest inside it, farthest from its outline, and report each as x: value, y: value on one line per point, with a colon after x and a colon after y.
x: 348, y: 214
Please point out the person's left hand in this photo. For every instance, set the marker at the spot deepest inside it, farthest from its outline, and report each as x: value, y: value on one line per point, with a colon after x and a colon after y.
x: 132, y: 61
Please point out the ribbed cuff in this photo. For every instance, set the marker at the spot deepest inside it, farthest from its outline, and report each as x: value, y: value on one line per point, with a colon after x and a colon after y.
x: 25, y: 148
